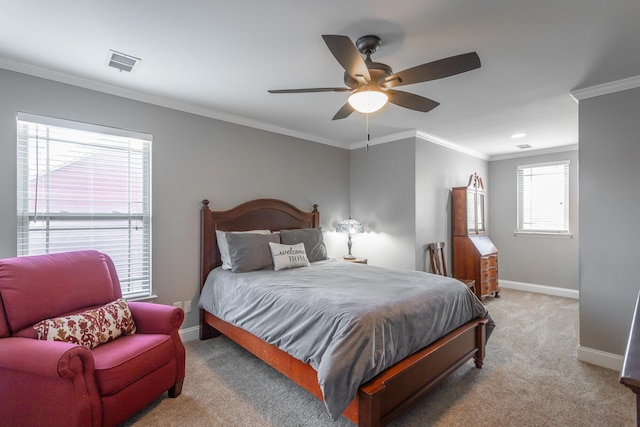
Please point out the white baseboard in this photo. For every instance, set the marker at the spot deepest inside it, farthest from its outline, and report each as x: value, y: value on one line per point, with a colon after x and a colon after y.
x: 600, y: 358
x: 193, y: 333
x: 540, y: 289
x: 189, y: 334
x: 583, y: 354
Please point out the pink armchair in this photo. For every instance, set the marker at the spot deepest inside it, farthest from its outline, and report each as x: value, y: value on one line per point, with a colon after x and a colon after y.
x: 56, y: 383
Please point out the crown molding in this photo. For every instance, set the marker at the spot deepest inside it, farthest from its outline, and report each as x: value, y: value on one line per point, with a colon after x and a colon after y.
x: 383, y: 139
x: 529, y: 153
x: 160, y: 101
x: 606, y: 88
x: 448, y: 144
x: 420, y: 135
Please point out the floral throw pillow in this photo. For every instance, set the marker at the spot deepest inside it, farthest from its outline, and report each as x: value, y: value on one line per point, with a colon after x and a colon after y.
x: 89, y: 328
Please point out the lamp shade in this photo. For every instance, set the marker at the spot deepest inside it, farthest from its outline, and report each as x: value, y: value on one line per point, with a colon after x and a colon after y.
x: 350, y: 226
x: 367, y: 100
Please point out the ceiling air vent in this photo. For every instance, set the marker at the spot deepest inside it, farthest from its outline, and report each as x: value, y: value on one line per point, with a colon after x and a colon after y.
x: 121, y: 61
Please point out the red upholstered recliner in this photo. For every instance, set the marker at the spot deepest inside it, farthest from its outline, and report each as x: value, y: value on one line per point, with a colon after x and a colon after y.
x: 53, y: 383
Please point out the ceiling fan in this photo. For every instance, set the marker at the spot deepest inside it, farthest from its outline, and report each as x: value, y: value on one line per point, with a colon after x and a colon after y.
x: 371, y: 82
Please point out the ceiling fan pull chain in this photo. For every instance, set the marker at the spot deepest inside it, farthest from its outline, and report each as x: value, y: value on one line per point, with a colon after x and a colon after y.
x: 368, y: 134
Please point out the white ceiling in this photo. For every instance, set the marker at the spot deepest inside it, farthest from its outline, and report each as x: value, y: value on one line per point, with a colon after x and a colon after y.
x: 219, y: 59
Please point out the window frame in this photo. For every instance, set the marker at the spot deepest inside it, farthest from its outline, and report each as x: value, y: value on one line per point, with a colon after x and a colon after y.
x: 566, y: 218
x: 132, y: 257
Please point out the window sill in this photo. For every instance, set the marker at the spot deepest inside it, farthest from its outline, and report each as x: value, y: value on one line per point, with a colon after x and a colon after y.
x: 543, y: 234
x: 146, y: 298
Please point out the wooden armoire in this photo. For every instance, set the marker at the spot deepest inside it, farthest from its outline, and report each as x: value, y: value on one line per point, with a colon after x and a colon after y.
x: 475, y: 257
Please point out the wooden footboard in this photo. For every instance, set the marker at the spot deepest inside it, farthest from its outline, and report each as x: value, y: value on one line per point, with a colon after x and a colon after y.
x: 386, y: 396
x: 389, y: 394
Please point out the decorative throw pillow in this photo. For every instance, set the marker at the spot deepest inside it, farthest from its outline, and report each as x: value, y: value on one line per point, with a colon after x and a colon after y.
x: 288, y: 256
x: 89, y: 328
x: 312, y: 239
x: 221, y: 237
x: 249, y: 252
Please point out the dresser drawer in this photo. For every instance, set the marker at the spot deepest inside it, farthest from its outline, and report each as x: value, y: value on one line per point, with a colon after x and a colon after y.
x: 487, y: 262
x: 492, y: 275
x: 488, y: 275
x: 484, y: 276
x: 485, y: 288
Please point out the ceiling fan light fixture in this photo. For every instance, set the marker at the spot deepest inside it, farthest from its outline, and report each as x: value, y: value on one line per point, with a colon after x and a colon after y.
x: 368, y: 101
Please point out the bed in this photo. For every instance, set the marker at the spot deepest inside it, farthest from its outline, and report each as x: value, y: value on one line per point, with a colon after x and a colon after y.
x: 378, y: 400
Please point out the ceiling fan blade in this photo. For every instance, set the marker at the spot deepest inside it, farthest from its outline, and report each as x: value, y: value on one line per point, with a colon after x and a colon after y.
x: 434, y: 70
x: 348, y: 56
x: 313, y: 89
x: 344, y: 112
x: 411, y: 101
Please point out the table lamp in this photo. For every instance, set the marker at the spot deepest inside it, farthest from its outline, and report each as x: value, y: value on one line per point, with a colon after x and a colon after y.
x: 349, y: 226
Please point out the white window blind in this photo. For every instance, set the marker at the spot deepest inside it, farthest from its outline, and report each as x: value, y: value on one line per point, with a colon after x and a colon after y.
x: 543, y: 198
x: 84, y: 186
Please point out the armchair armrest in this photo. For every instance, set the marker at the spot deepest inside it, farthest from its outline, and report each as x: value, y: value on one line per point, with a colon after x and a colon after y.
x: 59, y: 376
x: 153, y: 318
x: 46, y: 358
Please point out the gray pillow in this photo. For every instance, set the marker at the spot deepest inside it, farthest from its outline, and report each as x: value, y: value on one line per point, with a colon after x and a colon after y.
x: 248, y: 252
x: 221, y: 237
x: 312, y: 239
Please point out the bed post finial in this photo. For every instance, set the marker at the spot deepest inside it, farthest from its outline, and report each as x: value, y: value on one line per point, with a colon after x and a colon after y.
x: 205, y: 203
x: 315, y: 208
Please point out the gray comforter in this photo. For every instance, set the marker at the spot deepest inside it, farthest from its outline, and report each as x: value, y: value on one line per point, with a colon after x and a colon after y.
x: 348, y: 321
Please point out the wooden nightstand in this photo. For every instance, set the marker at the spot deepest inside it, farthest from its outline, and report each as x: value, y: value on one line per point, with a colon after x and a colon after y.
x: 356, y: 260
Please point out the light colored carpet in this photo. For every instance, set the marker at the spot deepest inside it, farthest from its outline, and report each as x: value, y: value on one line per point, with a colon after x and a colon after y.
x: 530, y: 377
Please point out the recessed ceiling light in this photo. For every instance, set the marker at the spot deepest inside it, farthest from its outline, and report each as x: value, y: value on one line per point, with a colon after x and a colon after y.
x: 523, y: 146
x: 518, y: 135
x: 122, y: 61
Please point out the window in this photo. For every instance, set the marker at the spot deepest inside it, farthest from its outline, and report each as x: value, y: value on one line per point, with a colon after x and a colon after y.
x: 543, y: 198
x: 83, y: 186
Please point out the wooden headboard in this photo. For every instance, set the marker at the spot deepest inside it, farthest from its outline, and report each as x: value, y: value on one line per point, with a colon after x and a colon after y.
x: 260, y: 214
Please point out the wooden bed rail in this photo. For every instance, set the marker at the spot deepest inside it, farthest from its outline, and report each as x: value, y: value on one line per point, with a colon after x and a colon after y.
x: 630, y: 375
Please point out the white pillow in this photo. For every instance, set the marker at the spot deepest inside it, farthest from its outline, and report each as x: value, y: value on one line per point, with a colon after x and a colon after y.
x: 223, y: 246
x: 288, y: 256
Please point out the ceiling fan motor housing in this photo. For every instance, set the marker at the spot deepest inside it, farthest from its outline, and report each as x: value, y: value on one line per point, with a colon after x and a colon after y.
x: 377, y: 70
x: 368, y: 44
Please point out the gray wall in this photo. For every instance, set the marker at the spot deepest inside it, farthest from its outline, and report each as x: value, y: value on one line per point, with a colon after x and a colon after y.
x: 193, y: 157
x: 383, y: 199
x: 400, y: 192
x: 438, y: 170
x: 539, y: 260
x: 609, y: 205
